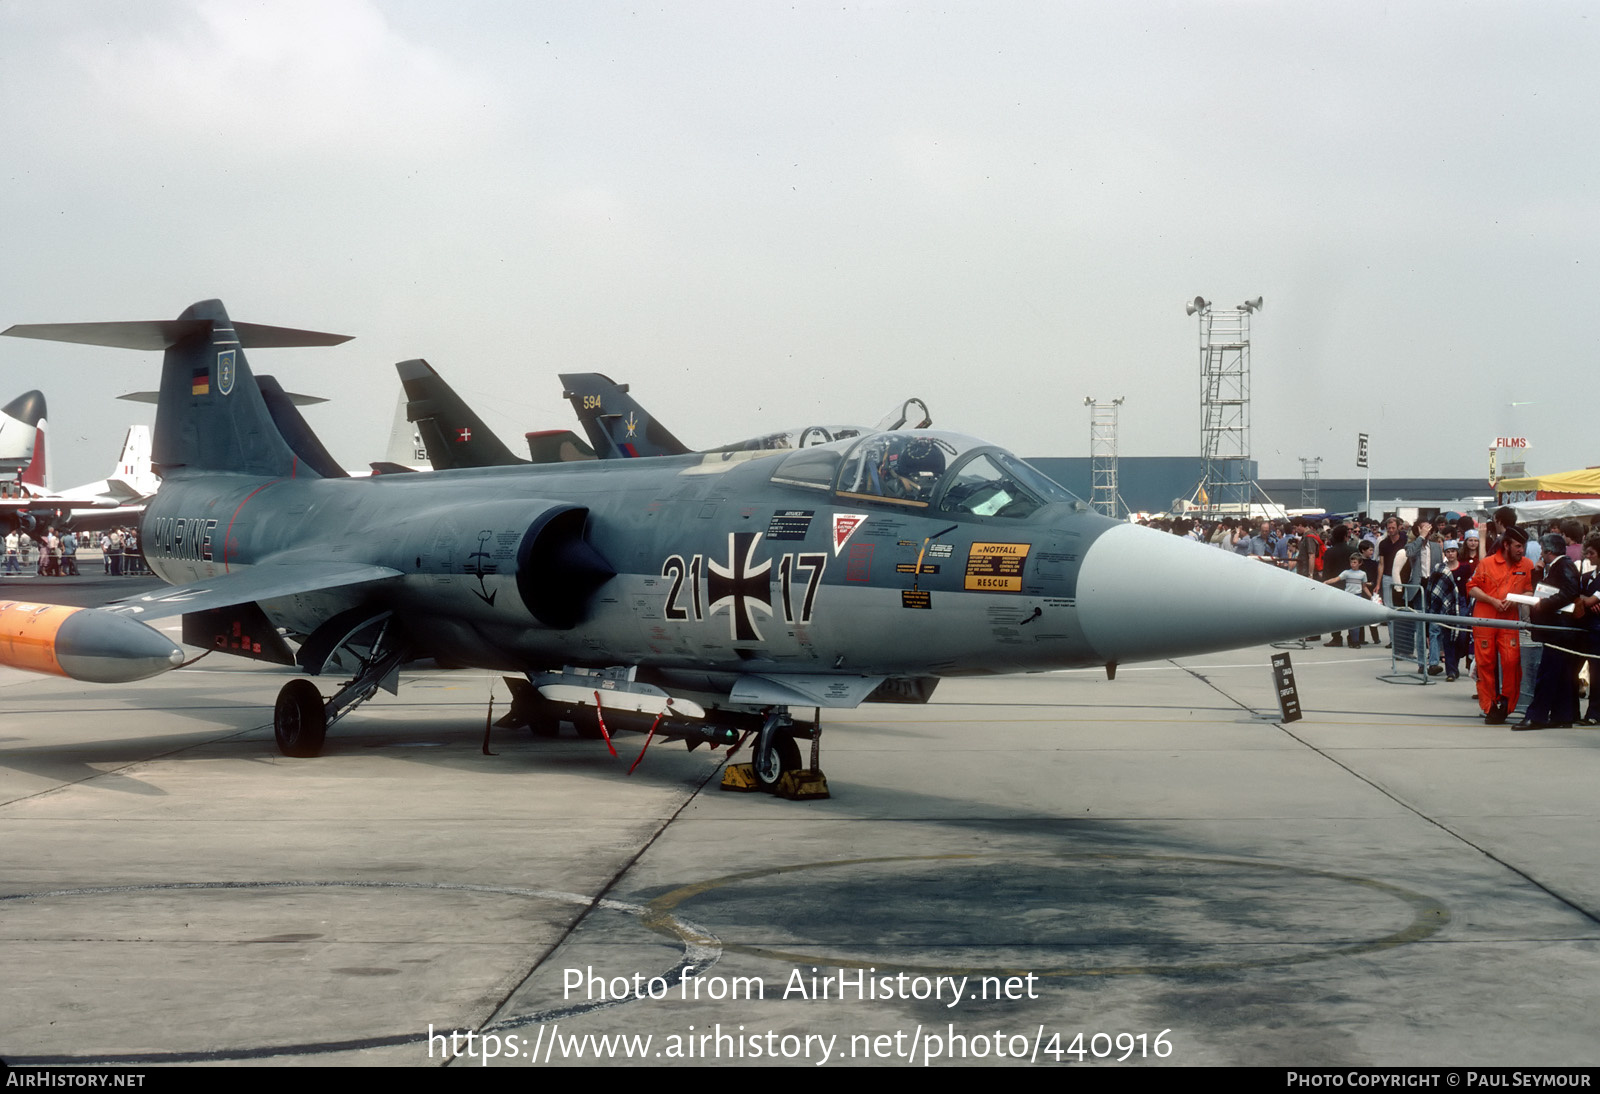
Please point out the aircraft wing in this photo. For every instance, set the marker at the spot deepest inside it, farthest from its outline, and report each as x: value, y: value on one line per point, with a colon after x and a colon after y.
x: 264, y: 582
x: 46, y: 504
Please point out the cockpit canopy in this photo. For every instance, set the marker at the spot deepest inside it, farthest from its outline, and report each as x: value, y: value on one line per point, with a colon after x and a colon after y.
x: 924, y: 469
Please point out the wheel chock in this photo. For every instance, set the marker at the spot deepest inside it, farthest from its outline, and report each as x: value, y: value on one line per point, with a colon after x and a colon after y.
x: 740, y: 778
x: 802, y: 785
x: 797, y: 784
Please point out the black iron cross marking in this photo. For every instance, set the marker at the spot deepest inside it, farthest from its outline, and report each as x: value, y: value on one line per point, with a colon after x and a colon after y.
x: 742, y: 587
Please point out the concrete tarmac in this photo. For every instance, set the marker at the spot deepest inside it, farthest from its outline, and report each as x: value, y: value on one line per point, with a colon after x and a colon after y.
x: 1153, y: 863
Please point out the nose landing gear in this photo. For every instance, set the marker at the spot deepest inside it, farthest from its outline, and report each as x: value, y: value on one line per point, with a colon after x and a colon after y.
x: 775, y: 764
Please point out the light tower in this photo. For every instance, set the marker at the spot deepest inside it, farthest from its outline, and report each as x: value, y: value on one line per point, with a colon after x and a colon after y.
x: 1225, y: 483
x: 1103, y: 454
x: 1310, y: 470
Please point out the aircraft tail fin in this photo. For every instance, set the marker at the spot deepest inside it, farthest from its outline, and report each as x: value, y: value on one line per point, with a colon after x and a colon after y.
x: 210, y: 414
x: 296, y: 430
x: 405, y: 442
x: 132, y: 477
x: 36, y: 476
x: 22, y: 427
x: 617, y: 425
x: 454, y: 435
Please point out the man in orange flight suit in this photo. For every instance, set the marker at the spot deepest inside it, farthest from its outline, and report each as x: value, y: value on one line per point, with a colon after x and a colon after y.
x: 1499, y: 650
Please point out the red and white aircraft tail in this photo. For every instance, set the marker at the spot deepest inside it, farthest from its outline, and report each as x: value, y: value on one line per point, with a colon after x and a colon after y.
x: 22, y: 430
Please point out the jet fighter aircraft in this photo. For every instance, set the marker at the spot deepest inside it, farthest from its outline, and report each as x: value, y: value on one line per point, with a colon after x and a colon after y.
x: 116, y: 500
x: 453, y: 435
x: 701, y: 596
x: 620, y: 428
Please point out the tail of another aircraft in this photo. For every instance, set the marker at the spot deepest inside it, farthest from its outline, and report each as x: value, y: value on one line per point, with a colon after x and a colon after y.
x: 210, y: 415
x: 452, y: 433
x: 22, y: 429
x: 617, y: 425
x: 134, y: 477
x: 405, y: 442
x: 36, y: 476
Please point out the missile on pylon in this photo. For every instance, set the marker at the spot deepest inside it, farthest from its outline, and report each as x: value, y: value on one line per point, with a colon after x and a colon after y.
x: 88, y: 644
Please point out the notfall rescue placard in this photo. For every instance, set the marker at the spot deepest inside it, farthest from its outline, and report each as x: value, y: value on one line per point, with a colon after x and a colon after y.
x: 996, y: 567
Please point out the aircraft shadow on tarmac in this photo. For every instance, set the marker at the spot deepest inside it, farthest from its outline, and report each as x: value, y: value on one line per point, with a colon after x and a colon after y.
x: 452, y: 739
x: 235, y: 727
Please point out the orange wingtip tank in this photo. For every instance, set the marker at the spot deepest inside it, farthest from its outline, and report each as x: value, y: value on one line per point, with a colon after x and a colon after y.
x: 88, y: 644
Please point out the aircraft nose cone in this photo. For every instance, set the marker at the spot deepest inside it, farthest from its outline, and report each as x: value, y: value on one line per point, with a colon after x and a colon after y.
x: 1145, y: 595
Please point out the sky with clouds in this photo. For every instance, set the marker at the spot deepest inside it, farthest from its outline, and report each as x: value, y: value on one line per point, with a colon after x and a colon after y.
x: 764, y: 215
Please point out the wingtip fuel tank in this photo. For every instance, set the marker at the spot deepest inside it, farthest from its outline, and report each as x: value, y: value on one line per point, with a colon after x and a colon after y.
x: 87, y: 644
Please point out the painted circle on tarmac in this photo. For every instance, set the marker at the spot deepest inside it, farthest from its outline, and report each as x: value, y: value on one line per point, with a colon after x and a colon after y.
x: 1109, y: 914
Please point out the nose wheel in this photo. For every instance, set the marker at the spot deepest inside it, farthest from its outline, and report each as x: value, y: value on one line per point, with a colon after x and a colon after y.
x: 775, y: 761
x: 775, y: 753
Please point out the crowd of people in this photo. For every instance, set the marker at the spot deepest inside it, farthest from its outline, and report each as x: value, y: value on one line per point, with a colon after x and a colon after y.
x: 51, y: 554
x: 1496, y: 578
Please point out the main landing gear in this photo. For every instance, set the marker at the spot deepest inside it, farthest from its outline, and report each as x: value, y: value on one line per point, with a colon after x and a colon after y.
x: 298, y: 721
x: 363, y: 643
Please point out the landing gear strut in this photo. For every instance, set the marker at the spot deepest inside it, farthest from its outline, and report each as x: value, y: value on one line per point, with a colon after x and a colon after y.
x: 579, y: 695
x: 775, y: 764
x: 301, y: 718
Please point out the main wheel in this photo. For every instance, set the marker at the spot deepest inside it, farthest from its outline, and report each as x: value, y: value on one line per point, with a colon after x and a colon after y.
x: 542, y: 717
x: 586, y: 722
x: 299, y: 721
x: 774, y: 755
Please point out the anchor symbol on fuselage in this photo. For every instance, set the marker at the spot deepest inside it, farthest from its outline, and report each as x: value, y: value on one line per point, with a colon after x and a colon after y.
x: 478, y: 570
